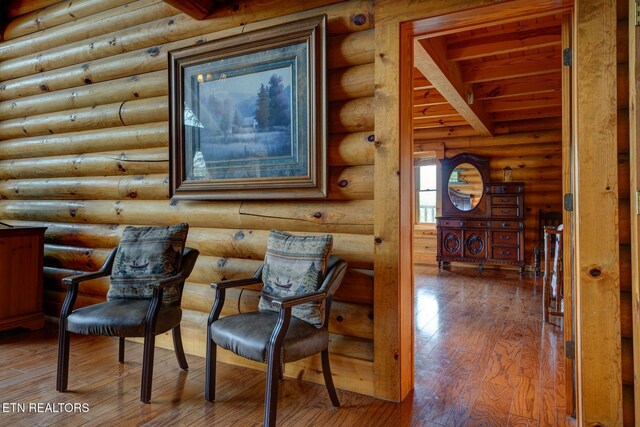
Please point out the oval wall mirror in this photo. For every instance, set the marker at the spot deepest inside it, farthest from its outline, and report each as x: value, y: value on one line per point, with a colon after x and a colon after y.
x: 465, y: 186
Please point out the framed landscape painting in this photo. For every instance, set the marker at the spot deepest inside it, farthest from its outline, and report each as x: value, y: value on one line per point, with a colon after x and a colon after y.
x: 247, y: 115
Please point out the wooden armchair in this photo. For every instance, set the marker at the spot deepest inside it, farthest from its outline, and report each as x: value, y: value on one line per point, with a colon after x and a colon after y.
x: 273, y: 337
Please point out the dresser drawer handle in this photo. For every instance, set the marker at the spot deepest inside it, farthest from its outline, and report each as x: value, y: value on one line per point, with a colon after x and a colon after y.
x: 505, y: 253
x: 504, y: 211
x: 504, y: 225
x: 460, y: 223
x: 504, y: 237
x: 505, y: 200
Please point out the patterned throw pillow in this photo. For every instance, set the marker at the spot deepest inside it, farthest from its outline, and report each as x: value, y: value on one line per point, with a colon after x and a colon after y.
x: 295, y: 265
x: 146, y: 254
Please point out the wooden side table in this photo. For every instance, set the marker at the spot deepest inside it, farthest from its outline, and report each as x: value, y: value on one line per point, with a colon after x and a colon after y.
x: 21, y: 264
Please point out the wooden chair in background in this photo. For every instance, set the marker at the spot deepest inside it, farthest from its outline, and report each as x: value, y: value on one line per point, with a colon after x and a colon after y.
x: 545, y: 219
x: 552, y: 283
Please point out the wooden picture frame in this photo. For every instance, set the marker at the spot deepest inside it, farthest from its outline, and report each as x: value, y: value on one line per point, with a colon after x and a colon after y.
x: 247, y: 115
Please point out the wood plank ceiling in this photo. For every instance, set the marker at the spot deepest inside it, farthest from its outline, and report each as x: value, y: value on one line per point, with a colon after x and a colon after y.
x: 496, y: 75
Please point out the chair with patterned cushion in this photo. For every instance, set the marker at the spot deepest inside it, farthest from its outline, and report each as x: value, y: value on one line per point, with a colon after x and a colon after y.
x: 147, y: 274
x: 299, y: 279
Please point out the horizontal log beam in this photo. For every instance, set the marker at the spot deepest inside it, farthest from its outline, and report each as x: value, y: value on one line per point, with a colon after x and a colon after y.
x: 519, y: 66
x: 540, y: 113
x: 543, y: 83
x: 131, y: 162
x: 523, y: 102
x: 355, y: 148
x: 351, y: 82
x: 351, y: 116
x: 499, y: 44
x: 139, y: 86
x: 351, y: 49
x: 56, y: 14
x: 439, y: 133
x: 17, y: 8
x: 114, y: 19
x: 345, y: 183
x: 333, y: 217
x: 148, y: 135
x: 104, y: 116
x: 356, y: 249
x: 351, y: 183
x: 143, y: 187
x: 153, y: 58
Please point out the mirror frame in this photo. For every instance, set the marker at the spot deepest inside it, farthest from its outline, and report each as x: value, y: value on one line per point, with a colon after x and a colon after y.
x: 448, y: 165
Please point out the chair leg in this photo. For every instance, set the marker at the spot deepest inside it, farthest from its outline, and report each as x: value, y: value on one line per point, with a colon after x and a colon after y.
x: 328, y: 379
x: 147, y: 368
x: 177, y: 346
x: 63, y: 358
x: 121, y: 350
x: 210, y: 375
x: 271, y: 392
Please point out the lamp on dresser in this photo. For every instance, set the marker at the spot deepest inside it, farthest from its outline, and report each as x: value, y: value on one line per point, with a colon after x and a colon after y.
x: 482, y: 222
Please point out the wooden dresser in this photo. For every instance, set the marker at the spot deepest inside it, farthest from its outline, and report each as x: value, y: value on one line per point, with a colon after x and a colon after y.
x: 488, y: 228
x: 21, y: 260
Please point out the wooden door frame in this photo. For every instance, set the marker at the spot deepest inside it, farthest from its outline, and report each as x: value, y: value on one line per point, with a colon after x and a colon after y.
x: 634, y: 169
x: 396, y: 23
x: 567, y: 217
x: 597, y: 260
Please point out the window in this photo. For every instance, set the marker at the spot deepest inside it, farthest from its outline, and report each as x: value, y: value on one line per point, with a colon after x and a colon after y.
x: 426, y: 186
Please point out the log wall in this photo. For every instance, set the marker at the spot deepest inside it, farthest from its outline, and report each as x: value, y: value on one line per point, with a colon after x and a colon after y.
x: 84, y: 151
x: 535, y: 157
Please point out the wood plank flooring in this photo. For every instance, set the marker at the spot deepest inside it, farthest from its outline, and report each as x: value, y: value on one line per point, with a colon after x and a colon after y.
x: 483, y: 357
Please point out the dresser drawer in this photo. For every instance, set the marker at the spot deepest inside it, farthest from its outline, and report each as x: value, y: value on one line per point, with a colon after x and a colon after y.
x: 502, y: 189
x: 506, y: 253
x: 509, y: 238
x: 469, y: 223
x: 505, y: 211
x: 509, y: 225
x: 505, y: 200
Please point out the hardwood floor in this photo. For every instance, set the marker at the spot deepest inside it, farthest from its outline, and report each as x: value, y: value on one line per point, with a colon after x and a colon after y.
x: 483, y: 357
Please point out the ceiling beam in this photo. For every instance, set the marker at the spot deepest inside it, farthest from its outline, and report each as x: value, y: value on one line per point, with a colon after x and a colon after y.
x: 429, y: 56
x: 504, y: 43
x: 543, y: 83
x: 197, y: 9
x: 521, y: 66
x: 524, y: 102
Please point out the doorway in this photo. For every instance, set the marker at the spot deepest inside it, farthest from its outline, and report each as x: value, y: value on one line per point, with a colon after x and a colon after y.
x: 498, y: 90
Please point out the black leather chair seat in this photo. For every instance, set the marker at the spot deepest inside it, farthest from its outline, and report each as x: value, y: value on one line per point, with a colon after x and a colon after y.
x: 121, y: 318
x: 247, y: 335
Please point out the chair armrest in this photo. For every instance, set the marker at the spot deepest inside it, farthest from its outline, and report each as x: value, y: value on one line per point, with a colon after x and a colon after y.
x: 298, y: 299
x: 226, y: 284
x: 105, y: 270
x: 167, y: 282
x: 84, y: 277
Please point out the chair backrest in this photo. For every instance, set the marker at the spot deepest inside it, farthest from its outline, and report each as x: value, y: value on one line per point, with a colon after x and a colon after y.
x: 189, y: 257
x: 335, y: 273
x: 547, y: 219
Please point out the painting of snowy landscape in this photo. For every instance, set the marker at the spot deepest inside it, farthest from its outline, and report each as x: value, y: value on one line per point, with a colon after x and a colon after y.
x: 246, y: 116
